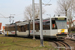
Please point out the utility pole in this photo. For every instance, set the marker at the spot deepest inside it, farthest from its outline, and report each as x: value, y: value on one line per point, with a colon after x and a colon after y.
x: 10, y: 18
x: 33, y: 6
x: 41, y: 27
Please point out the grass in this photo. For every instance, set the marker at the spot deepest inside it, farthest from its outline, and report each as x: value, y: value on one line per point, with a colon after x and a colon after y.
x: 18, y: 43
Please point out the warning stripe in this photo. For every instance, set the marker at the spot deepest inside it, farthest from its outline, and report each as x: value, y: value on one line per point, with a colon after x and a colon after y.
x: 7, y: 32
x: 62, y: 30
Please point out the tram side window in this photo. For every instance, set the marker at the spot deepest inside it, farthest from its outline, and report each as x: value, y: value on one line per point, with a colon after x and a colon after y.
x: 54, y: 26
x: 31, y: 26
x: 21, y: 28
x: 6, y: 28
x: 12, y: 28
x: 37, y: 27
x: 46, y: 25
x: 27, y: 27
x: 9, y: 28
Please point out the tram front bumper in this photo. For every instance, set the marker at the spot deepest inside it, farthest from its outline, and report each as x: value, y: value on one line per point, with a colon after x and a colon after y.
x: 61, y: 35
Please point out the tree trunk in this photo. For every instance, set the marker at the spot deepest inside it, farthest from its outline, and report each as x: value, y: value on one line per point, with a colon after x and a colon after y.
x: 65, y: 12
x: 69, y: 26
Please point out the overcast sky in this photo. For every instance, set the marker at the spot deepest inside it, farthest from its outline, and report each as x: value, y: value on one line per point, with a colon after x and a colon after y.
x: 17, y: 7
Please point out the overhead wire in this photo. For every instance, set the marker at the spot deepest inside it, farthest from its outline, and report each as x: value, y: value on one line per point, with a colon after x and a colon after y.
x: 47, y: 2
x: 2, y: 15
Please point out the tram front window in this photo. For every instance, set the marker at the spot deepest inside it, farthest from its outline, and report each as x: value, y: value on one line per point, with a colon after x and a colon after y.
x: 61, y: 24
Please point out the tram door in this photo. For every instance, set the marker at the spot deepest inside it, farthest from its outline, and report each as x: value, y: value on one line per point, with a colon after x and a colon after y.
x: 54, y: 29
x: 54, y: 26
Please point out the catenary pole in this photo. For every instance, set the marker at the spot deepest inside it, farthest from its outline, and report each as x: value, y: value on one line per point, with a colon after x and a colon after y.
x: 41, y: 27
x: 10, y: 18
x: 33, y: 7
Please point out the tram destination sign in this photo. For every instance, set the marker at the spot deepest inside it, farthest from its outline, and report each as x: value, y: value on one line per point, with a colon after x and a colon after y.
x: 60, y: 18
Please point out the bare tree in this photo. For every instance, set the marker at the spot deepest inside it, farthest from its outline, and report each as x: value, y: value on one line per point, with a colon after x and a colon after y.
x: 28, y: 12
x: 67, y: 8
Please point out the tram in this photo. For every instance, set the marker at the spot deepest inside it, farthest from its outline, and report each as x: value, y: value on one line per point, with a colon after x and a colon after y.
x: 55, y: 27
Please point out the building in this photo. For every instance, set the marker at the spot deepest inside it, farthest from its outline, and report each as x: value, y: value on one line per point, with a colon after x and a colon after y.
x: 0, y: 28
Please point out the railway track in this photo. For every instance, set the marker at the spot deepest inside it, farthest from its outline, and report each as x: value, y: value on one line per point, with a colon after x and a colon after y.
x: 61, y: 45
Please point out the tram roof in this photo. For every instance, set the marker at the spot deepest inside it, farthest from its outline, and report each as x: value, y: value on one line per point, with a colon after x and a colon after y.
x: 12, y: 24
x: 22, y: 23
x: 59, y: 17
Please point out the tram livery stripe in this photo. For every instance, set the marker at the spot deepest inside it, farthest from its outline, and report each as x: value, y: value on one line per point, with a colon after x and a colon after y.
x: 62, y: 30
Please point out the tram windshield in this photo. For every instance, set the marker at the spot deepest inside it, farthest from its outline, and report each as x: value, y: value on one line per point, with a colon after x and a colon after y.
x: 61, y: 24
